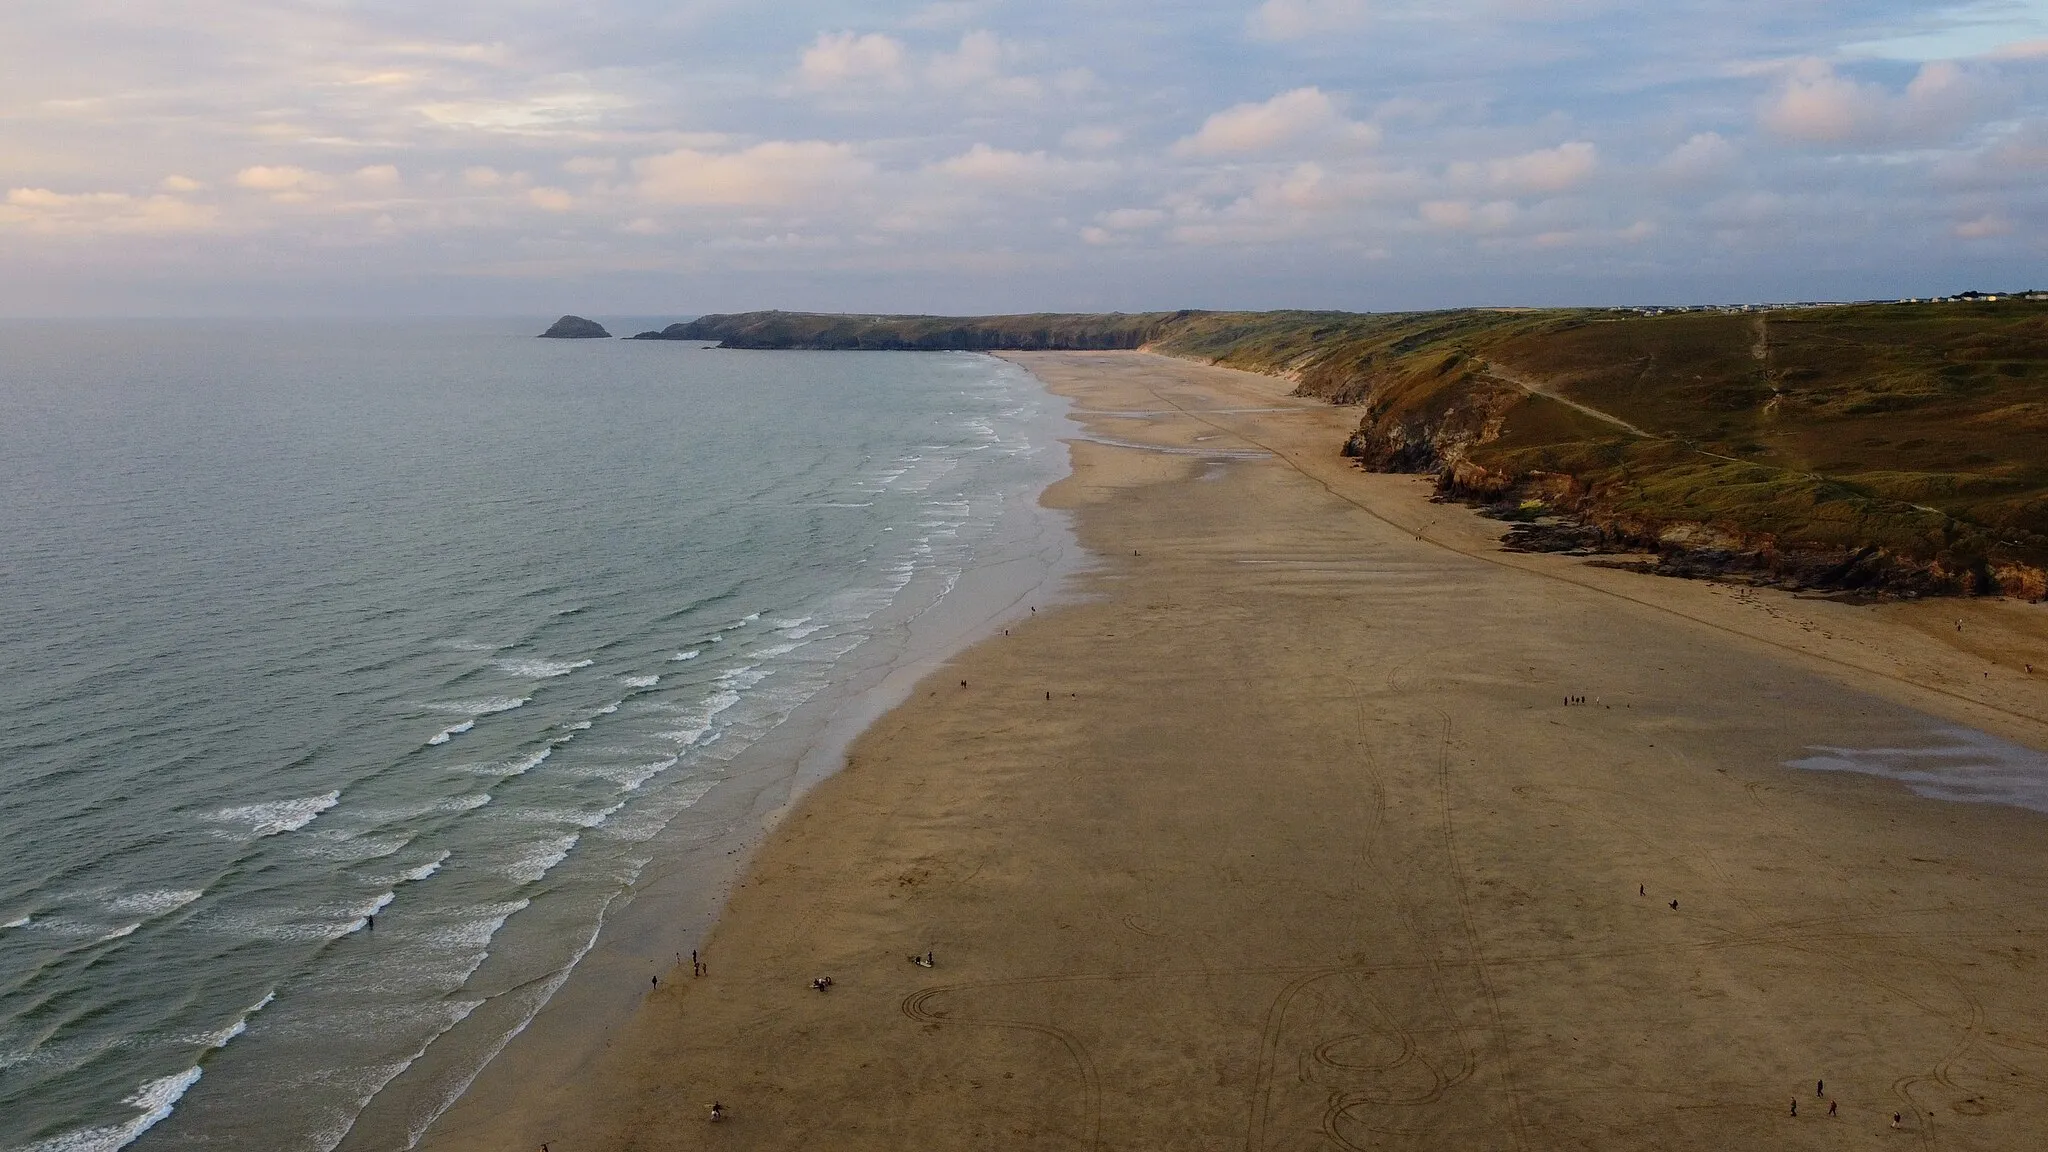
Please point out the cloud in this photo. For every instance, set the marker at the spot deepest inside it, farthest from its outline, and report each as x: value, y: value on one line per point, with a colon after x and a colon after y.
x: 979, y: 62
x: 176, y: 183
x: 1704, y: 156
x: 286, y: 183
x: 777, y: 173
x: 551, y: 199
x: 44, y: 211
x: 378, y: 176
x: 2020, y: 50
x: 1817, y: 105
x: 590, y: 165
x: 1984, y: 227
x: 1092, y: 138
x: 1299, y: 19
x: 1017, y: 171
x: 1301, y: 117
x: 1546, y: 170
x: 1466, y: 216
x: 838, y: 59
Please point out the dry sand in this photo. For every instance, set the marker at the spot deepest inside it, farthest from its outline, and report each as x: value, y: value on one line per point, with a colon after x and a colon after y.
x: 1283, y: 837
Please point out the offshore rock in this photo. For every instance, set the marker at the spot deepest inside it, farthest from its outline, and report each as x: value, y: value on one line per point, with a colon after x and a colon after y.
x: 575, y: 328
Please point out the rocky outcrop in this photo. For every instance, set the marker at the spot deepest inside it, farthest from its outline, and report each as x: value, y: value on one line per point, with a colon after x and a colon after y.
x: 575, y: 328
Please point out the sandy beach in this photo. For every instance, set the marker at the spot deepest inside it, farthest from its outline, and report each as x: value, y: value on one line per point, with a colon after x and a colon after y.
x: 1312, y: 820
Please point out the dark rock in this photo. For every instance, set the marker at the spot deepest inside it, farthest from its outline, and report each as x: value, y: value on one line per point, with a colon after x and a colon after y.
x: 673, y: 332
x: 576, y: 328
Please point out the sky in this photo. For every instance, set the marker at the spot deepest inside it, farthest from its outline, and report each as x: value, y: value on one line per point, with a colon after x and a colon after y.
x: 674, y: 157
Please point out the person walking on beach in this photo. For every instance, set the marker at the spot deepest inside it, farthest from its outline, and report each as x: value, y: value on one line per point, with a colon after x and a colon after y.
x: 1831, y: 1107
x: 1819, y: 1087
x: 1895, y: 1119
x: 1795, y: 1105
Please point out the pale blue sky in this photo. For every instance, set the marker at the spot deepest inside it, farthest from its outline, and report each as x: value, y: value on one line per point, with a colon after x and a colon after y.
x: 623, y: 156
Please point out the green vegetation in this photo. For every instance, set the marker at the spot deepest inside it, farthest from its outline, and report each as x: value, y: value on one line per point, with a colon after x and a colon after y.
x: 1897, y: 446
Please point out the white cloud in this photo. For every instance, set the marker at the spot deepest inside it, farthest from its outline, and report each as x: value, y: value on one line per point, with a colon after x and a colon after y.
x: 1817, y: 105
x: 286, y: 183
x: 44, y: 211
x: 176, y: 183
x: 1546, y: 170
x: 836, y: 59
x: 1017, y: 171
x: 482, y: 176
x: 1299, y: 19
x: 378, y: 176
x: 1466, y: 216
x: 772, y: 174
x: 1702, y: 157
x: 980, y: 63
x: 1304, y: 117
x: 551, y: 199
x: 590, y: 166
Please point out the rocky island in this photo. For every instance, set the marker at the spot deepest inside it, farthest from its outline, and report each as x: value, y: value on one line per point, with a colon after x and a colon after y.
x: 575, y: 328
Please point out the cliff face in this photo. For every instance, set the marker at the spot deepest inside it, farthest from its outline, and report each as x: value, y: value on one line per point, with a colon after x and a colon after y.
x: 576, y: 328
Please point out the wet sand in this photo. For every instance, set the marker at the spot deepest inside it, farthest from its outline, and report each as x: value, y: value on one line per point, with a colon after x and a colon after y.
x: 1283, y: 836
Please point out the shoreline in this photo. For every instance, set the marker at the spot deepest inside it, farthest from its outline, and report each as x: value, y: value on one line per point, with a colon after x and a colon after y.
x: 696, y: 863
x: 988, y: 823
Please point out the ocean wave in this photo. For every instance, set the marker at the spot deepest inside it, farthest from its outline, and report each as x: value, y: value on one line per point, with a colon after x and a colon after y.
x: 536, y: 860
x: 538, y: 669
x: 275, y: 816
x: 639, y: 681
x: 19, y: 922
x: 687, y: 654
x: 155, y: 903
x: 154, y: 1100
x: 484, y: 707
x: 116, y: 934
x: 451, y: 732
x: 220, y: 1039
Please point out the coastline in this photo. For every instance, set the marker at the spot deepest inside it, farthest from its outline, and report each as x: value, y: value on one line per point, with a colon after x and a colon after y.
x: 1304, y: 796
x: 696, y: 863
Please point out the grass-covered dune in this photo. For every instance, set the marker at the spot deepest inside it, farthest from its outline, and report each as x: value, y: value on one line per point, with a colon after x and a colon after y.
x: 1899, y: 447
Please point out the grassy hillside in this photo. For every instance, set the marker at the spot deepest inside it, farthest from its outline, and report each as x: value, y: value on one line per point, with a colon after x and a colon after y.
x: 1897, y: 447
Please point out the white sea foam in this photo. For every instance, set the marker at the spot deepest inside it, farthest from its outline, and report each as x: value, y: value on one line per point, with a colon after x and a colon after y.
x: 629, y: 777
x: 116, y: 934
x: 469, y: 645
x: 484, y: 707
x: 527, y: 763
x: 539, y: 669
x: 452, y: 731
x: 21, y: 922
x: 779, y: 649
x: 430, y: 867
x: 155, y: 903
x: 276, y: 816
x: 153, y: 1101
x: 689, y: 654
x: 536, y: 859
x: 610, y: 708
x: 640, y: 681
x: 220, y: 1039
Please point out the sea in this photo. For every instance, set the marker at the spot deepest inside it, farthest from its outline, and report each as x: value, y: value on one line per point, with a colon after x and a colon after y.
x: 352, y: 673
